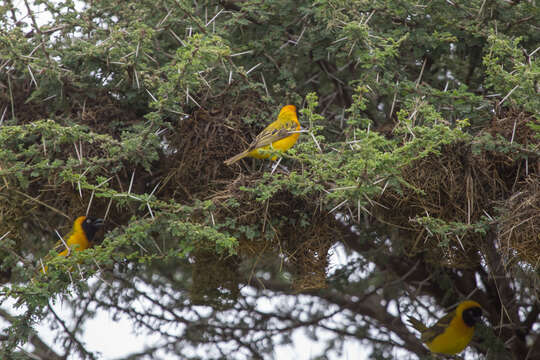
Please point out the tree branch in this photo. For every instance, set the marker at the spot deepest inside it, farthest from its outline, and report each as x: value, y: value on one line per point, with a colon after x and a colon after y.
x: 41, y: 349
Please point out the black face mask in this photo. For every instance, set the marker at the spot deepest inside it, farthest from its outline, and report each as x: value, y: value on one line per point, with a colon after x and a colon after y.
x: 472, y: 315
x: 91, y: 226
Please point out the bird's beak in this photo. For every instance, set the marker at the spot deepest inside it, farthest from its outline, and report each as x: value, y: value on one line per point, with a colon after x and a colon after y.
x: 478, y: 317
x: 99, y: 222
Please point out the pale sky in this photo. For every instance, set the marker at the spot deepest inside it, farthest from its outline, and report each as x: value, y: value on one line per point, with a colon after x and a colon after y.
x: 102, y: 334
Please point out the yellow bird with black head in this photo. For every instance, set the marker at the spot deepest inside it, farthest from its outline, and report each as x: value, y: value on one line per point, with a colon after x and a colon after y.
x: 453, y: 332
x: 79, y: 238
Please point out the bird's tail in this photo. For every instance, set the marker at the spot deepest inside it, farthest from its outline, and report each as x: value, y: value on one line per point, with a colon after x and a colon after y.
x: 417, y: 324
x: 237, y: 157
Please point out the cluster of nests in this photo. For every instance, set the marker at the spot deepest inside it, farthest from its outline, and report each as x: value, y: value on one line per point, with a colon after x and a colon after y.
x: 190, y: 170
x: 457, y: 186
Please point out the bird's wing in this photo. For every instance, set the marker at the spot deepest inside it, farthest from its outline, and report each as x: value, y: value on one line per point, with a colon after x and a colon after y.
x: 417, y: 324
x: 272, y: 134
x: 60, y: 246
x: 266, y: 137
x: 437, y: 329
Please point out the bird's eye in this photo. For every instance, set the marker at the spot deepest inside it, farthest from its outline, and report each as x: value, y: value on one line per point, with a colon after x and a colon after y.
x: 88, y: 221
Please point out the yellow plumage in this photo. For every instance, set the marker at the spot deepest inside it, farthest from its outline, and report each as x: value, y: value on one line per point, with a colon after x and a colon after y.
x: 280, y: 135
x: 75, y: 239
x: 452, y: 333
x: 79, y: 238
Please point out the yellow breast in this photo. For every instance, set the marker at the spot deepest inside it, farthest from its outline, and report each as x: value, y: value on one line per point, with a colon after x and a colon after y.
x: 77, y: 241
x: 454, y: 339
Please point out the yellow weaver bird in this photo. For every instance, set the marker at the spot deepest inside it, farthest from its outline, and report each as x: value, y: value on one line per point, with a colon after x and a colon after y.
x: 452, y: 333
x: 280, y: 135
x: 79, y: 238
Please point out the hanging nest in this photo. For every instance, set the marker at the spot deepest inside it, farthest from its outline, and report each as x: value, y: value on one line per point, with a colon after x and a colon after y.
x: 308, y: 255
x: 214, y: 279
x: 519, y: 230
x: 511, y: 124
x: 293, y: 234
x: 288, y: 232
x: 198, y: 146
x: 456, y: 187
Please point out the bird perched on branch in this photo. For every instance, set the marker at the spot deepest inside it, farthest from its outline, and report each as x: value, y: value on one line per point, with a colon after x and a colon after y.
x: 280, y: 135
x: 452, y: 333
x: 79, y: 238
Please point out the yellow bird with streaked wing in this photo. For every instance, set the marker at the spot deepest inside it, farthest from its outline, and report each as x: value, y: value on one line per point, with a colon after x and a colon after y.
x: 280, y: 135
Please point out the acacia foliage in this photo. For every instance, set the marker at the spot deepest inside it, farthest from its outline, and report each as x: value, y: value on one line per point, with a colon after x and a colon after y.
x: 420, y: 157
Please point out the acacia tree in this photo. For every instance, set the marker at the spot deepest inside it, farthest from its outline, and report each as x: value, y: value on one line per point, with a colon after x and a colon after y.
x: 419, y: 157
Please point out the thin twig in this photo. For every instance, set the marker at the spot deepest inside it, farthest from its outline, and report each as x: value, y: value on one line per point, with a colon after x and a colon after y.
x: 3, y: 236
x: 274, y: 167
x: 338, y: 206
x: 253, y: 68
x: 507, y: 95
x: 214, y: 18
x: 513, y: 131
x: 63, y: 242
x: 42, y: 203
x: 71, y: 334
x: 242, y: 53
x: 421, y: 73
x: 90, y: 202
x: 107, y: 211
x: 131, y: 182
x: 264, y: 83
x: 316, y: 142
